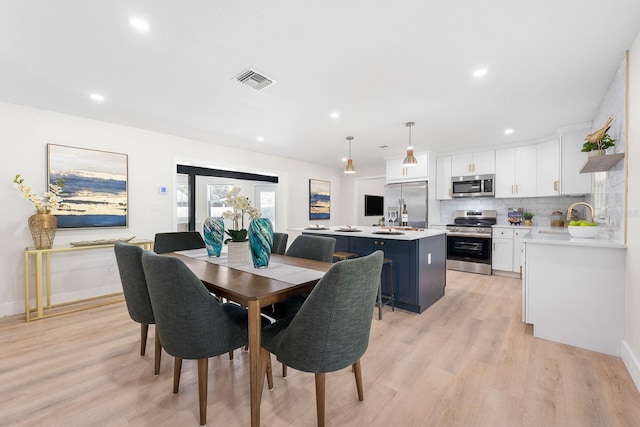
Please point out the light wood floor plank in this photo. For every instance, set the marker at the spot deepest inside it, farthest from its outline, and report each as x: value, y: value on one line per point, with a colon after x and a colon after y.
x: 466, y: 361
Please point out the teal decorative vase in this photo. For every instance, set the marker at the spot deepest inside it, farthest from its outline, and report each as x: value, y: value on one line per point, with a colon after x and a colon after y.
x: 213, y: 230
x: 260, y: 241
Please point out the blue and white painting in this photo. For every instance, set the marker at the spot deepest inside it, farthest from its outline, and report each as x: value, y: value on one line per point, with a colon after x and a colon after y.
x: 319, y: 199
x: 94, y: 192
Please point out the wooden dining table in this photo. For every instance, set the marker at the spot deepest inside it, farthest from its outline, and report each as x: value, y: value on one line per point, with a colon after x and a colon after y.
x: 253, y: 291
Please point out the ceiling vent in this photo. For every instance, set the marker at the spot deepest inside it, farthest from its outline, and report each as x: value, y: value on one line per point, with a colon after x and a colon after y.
x: 254, y: 79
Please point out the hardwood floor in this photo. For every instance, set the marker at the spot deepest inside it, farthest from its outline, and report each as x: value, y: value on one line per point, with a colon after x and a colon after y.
x: 466, y: 361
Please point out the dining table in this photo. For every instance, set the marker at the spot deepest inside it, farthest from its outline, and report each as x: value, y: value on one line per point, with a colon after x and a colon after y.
x: 254, y: 288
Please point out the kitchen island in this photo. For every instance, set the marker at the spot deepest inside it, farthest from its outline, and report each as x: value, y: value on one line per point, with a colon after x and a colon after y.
x: 573, y: 289
x: 419, y: 260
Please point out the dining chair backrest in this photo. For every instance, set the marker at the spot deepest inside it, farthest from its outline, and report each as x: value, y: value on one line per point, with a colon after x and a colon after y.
x: 279, y: 243
x: 331, y: 329
x: 177, y: 241
x: 318, y: 248
x: 191, y: 321
x: 134, y: 283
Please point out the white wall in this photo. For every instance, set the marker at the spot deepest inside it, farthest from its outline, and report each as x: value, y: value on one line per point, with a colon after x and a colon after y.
x: 631, y: 343
x: 24, y: 133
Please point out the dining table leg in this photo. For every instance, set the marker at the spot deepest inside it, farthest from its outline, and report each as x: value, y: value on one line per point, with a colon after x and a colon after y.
x: 255, y: 371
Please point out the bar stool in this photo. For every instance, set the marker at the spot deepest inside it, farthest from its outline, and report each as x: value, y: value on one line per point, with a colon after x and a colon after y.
x: 341, y: 256
x: 388, y: 263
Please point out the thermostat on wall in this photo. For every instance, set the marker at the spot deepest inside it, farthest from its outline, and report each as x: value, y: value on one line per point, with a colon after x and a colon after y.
x: 162, y: 190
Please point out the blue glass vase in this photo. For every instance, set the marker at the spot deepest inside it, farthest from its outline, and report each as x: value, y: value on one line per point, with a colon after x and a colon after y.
x: 213, y: 230
x: 260, y: 241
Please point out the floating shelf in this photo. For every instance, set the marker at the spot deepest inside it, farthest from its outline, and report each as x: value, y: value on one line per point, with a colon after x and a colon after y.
x: 601, y: 163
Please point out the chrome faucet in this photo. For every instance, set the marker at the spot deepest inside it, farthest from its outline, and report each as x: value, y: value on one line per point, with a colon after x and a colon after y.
x: 573, y: 205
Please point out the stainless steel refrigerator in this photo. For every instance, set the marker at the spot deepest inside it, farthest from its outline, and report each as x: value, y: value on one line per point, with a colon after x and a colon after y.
x: 414, y: 195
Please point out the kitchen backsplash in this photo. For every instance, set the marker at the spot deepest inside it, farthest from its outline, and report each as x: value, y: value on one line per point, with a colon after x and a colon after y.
x: 542, y: 207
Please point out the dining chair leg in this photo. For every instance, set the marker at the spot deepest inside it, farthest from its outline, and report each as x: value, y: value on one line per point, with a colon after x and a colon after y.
x: 203, y: 382
x: 320, y: 378
x: 144, y: 330
x: 158, y: 354
x: 266, y: 356
x: 231, y: 355
x: 357, y: 371
x: 284, y: 370
x: 177, y: 368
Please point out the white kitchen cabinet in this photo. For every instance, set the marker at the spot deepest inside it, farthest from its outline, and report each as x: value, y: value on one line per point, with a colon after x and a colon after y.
x: 516, y: 172
x: 443, y: 178
x: 548, y: 168
x: 397, y: 173
x: 502, y: 251
x: 477, y: 163
x: 573, y: 293
x: 573, y: 182
x: 518, y: 234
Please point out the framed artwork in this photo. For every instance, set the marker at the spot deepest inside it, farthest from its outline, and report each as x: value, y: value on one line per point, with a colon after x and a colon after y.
x: 94, y: 192
x: 319, y: 199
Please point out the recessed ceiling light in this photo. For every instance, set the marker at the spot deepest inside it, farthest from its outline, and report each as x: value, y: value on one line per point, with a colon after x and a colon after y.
x: 508, y: 131
x: 97, y: 97
x: 139, y: 24
x: 335, y: 115
x: 480, y: 72
x: 260, y: 138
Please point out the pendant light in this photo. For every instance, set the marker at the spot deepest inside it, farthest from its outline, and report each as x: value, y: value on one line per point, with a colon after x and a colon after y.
x: 349, y: 168
x: 410, y: 160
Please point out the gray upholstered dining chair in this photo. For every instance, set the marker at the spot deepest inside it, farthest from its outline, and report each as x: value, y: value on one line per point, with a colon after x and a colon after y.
x: 177, y: 241
x: 331, y: 329
x: 191, y: 321
x: 279, y: 243
x: 136, y: 295
x: 317, y: 248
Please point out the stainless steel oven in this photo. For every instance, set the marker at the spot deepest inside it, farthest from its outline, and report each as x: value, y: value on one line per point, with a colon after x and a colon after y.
x: 469, y: 241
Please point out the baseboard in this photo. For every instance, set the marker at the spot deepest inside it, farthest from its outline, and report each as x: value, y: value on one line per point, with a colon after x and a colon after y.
x: 631, y: 362
x: 18, y: 307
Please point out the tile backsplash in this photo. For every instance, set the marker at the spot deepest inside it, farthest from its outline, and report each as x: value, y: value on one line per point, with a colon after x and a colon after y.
x: 542, y: 207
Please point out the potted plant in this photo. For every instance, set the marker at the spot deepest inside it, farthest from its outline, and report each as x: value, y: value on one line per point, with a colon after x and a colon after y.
x: 599, y: 146
x: 599, y: 141
x: 238, y: 242
x: 528, y: 216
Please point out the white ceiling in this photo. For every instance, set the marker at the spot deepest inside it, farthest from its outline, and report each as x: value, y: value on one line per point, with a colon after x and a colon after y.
x: 378, y: 63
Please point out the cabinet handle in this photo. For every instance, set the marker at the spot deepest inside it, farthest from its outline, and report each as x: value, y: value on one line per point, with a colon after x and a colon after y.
x: 494, y: 246
x: 555, y: 185
x: 512, y: 192
x: 517, y: 189
x: 450, y: 191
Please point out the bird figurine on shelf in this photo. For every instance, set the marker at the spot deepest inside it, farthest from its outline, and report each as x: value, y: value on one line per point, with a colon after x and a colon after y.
x: 599, y: 134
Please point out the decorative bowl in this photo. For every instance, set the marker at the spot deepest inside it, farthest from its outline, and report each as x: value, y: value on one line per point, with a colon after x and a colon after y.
x: 584, y: 231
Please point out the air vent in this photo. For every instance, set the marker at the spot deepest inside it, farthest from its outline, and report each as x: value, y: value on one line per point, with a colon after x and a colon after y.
x: 254, y: 79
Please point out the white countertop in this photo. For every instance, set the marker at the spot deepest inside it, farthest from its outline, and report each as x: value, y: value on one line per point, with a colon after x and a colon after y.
x: 561, y: 236
x: 369, y: 232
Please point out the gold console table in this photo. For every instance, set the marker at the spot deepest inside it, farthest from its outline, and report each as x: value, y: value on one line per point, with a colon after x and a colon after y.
x: 43, y: 271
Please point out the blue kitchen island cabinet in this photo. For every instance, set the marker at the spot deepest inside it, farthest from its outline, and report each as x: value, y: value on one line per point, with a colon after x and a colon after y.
x: 419, y: 262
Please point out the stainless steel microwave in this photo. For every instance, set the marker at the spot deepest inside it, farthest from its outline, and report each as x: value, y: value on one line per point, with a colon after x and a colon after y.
x: 472, y: 186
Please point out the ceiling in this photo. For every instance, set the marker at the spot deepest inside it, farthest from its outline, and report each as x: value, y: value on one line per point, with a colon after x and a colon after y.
x: 378, y: 64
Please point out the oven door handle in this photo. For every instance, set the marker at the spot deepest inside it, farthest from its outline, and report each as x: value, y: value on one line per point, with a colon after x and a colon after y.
x: 456, y: 234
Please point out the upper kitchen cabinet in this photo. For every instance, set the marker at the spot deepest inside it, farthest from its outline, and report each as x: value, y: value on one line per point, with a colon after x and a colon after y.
x: 478, y: 163
x: 548, y: 168
x: 397, y: 173
x: 443, y: 178
x: 573, y: 159
x: 516, y: 174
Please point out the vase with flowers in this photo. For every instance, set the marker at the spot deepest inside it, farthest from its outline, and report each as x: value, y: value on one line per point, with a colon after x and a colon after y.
x: 238, y: 242
x: 42, y: 224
